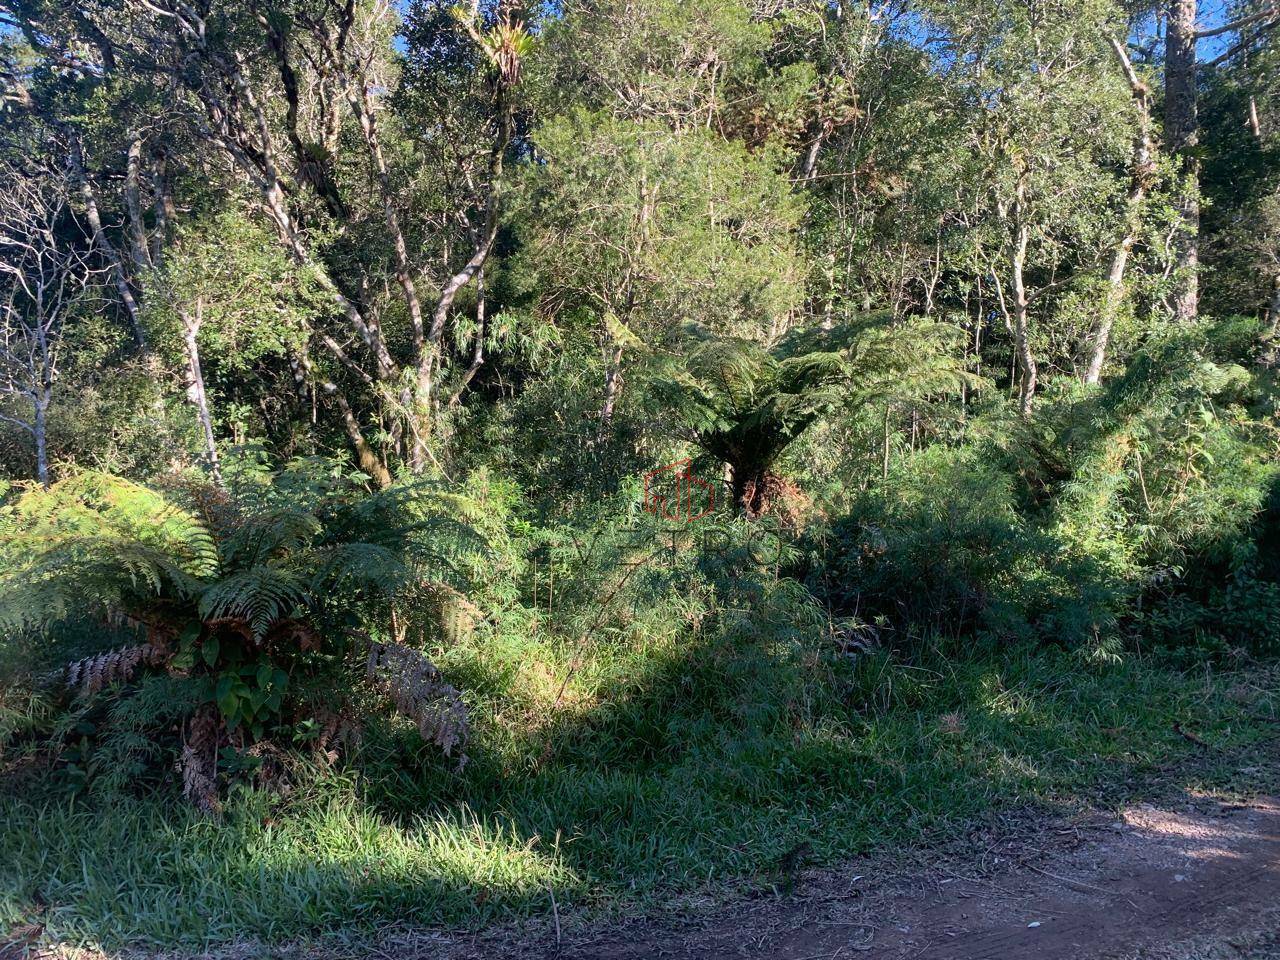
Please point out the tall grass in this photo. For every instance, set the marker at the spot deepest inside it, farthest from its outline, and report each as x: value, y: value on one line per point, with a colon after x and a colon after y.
x: 697, y: 768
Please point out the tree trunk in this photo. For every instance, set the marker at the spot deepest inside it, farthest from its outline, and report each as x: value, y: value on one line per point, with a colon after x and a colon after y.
x: 1181, y: 128
x: 612, y: 387
x: 105, y: 246
x: 477, y: 351
x: 1027, y: 368
x: 1142, y: 169
x: 429, y: 354
x: 199, y: 398
x: 40, y: 431
x: 166, y: 212
x: 365, y: 456
x: 133, y: 204
x: 1110, y: 307
x: 746, y: 475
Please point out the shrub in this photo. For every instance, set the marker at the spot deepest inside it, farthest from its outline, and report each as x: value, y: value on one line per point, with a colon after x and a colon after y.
x: 942, y: 550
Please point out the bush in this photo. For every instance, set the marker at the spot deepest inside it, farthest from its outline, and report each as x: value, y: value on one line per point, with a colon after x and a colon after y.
x: 1150, y: 505
x: 945, y: 549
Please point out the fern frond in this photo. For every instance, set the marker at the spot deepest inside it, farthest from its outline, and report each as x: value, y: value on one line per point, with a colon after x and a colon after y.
x: 95, y: 541
x: 259, y: 596
x: 269, y: 533
x: 347, y: 565
x: 419, y: 693
x: 91, y: 674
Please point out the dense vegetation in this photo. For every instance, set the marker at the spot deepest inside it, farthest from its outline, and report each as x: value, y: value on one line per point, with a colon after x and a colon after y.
x: 340, y: 341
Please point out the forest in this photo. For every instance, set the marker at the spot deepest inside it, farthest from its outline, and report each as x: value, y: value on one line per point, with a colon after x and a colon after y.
x: 461, y: 461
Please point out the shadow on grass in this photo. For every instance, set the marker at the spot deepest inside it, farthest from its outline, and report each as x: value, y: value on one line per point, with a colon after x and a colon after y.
x: 728, y: 758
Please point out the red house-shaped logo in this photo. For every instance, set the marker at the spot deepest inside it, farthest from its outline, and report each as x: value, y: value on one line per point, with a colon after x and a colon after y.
x: 674, y: 493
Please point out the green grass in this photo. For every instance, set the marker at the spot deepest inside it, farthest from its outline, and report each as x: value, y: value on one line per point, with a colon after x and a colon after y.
x: 665, y: 769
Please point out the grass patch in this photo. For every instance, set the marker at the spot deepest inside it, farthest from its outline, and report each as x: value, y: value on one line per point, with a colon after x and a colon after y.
x: 668, y: 770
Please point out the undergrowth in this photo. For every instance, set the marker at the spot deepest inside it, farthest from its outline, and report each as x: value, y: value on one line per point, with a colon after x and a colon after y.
x: 1083, y: 606
x: 680, y: 766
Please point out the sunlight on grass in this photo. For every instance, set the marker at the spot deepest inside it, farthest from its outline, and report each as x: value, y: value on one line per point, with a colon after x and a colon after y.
x: 700, y: 768
x: 142, y: 876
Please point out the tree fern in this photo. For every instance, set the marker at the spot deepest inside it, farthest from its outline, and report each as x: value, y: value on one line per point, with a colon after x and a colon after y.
x: 260, y: 596
x: 744, y: 403
x: 239, y: 590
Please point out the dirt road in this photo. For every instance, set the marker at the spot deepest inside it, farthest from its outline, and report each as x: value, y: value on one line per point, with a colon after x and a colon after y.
x: 1192, y: 880
x: 1189, y: 882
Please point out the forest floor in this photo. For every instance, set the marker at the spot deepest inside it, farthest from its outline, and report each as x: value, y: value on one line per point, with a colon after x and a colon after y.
x: 1198, y: 879
x: 1194, y: 877
x: 1142, y: 820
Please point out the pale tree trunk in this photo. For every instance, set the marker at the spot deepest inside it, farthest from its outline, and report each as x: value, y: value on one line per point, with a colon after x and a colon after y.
x: 362, y: 106
x: 417, y: 413
x: 242, y: 128
x: 43, y: 396
x: 197, y: 394
x: 41, y: 277
x: 104, y: 245
x: 429, y: 356
x: 477, y: 351
x: 166, y: 212
x: 1111, y: 303
x: 40, y: 431
x: 1142, y: 169
x: 1027, y: 368
x: 1181, y: 123
x: 133, y: 204
x: 240, y: 125
x: 809, y: 163
x: 612, y: 387
x: 365, y: 455
x: 267, y: 178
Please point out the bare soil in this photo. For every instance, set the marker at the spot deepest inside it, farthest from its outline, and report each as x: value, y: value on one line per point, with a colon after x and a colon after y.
x: 1194, y: 881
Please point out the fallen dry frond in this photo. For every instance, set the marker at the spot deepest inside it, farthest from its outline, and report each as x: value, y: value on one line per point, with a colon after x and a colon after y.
x: 419, y: 693
x: 103, y: 669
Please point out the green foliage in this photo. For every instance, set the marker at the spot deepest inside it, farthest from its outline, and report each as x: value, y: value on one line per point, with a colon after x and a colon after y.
x: 744, y: 403
x: 231, y: 277
x: 648, y: 228
x: 508, y: 258
x: 1146, y: 508
x: 243, y: 590
x: 712, y: 749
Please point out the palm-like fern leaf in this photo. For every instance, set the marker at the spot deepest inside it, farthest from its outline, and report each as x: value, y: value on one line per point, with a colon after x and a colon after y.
x: 275, y: 531
x: 744, y: 403
x: 93, y: 540
x: 259, y: 595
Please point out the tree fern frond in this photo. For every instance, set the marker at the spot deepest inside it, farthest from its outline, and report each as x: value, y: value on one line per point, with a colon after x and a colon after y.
x: 348, y: 565
x: 95, y: 541
x: 275, y: 531
x: 419, y: 693
x: 258, y: 595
